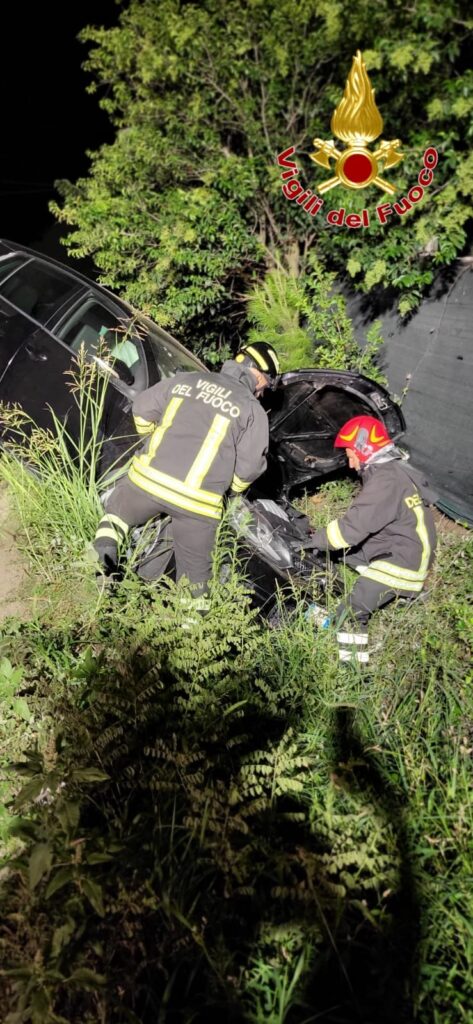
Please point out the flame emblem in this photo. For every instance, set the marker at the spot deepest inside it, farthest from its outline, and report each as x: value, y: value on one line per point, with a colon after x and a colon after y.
x: 357, y: 121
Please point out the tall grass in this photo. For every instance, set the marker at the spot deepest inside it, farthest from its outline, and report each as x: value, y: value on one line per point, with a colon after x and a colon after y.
x: 53, y: 476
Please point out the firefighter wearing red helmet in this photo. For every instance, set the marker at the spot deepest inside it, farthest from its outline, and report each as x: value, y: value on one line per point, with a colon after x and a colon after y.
x: 387, y: 535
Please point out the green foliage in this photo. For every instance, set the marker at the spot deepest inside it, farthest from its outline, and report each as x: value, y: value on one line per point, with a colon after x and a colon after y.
x: 307, y: 322
x: 221, y: 822
x: 183, y: 211
x: 282, y: 955
x: 14, y: 733
x: 275, y: 308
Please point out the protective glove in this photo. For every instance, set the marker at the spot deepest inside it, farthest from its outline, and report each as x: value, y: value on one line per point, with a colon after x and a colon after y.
x: 310, y: 545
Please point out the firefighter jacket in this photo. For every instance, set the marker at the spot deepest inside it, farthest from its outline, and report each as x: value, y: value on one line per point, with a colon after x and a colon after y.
x: 391, y: 521
x: 206, y: 433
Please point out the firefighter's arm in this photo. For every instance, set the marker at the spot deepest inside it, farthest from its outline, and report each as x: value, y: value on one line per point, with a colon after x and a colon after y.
x: 149, y: 406
x: 251, y: 451
x: 373, y: 509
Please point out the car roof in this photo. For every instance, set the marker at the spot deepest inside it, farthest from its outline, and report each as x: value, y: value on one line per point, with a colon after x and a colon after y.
x: 15, y: 247
x: 18, y: 247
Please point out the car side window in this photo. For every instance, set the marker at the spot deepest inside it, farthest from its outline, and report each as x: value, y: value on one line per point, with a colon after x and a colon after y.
x: 38, y: 290
x: 169, y: 357
x: 93, y: 324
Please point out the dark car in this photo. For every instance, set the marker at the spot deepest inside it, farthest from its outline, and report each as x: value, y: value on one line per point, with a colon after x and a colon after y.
x: 48, y: 310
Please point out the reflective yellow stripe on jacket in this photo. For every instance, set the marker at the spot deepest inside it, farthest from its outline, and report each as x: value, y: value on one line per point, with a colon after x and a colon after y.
x: 185, y: 494
x: 206, y: 455
x: 397, y: 577
x: 394, y: 580
x: 335, y: 536
x: 113, y: 527
x: 175, y: 492
x: 238, y: 485
x: 143, y: 426
x: 158, y: 434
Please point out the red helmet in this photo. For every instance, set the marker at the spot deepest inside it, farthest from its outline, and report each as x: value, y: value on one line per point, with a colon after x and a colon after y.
x: 364, y: 434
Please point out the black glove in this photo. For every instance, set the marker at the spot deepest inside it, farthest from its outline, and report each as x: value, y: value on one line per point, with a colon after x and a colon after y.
x: 310, y: 545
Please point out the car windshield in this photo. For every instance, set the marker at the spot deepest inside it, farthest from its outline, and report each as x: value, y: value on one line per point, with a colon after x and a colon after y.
x: 170, y: 357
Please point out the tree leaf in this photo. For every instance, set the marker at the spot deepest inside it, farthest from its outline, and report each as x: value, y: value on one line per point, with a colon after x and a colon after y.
x: 39, y: 863
x: 40, y: 1005
x: 20, y: 707
x: 89, y: 775
x: 87, y: 978
x: 62, y: 935
x: 68, y: 814
x: 93, y: 891
x: 60, y: 878
x: 22, y: 973
x: 29, y: 792
x: 98, y: 858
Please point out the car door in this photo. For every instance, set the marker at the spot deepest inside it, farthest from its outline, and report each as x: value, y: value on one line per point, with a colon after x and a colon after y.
x: 110, y: 338
x: 32, y: 364
x: 14, y: 326
x: 306, y: 412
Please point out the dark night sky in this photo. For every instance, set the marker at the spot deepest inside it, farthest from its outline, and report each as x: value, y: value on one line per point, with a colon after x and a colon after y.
x: 48, y: 119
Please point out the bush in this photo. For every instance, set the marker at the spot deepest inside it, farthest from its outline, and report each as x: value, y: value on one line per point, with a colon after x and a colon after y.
x: 307, y: 322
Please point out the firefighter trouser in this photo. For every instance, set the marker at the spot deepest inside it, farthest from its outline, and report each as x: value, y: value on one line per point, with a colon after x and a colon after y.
x: 194, y: 536
x: 353, y: 613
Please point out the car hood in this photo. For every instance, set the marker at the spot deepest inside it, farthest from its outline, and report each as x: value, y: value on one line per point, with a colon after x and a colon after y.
x: 306, y: 412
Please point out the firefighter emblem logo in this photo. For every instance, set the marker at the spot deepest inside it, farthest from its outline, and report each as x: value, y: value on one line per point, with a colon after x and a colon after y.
x: 357, y: 122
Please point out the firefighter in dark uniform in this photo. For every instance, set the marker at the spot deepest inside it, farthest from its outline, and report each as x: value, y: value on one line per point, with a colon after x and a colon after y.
x: 389, y: 531
x: 205, y: 434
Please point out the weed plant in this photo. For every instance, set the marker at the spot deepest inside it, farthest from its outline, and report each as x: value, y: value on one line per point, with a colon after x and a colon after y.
x: 55, y: 479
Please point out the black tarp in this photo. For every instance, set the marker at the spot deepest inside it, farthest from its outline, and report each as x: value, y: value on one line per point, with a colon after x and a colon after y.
x: 432, y: 355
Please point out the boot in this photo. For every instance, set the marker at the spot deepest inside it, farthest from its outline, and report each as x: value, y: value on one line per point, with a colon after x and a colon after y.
x: 353, y: 646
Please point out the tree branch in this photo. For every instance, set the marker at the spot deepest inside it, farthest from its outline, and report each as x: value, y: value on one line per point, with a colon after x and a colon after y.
x: 263, y: 104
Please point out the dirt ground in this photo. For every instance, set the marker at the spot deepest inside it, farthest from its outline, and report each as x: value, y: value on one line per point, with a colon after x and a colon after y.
x: 446, y: 525
x: 13, y: 568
